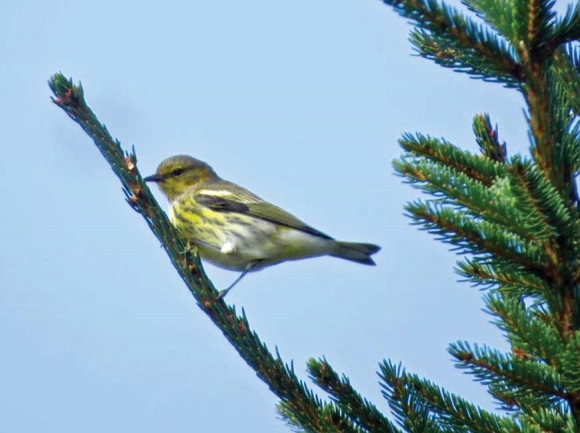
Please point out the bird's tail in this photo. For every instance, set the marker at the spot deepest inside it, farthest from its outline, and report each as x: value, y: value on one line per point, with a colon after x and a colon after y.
x: 355, y: 252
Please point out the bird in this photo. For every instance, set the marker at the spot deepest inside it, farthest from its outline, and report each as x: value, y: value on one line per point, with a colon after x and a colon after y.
x: 235, y: 229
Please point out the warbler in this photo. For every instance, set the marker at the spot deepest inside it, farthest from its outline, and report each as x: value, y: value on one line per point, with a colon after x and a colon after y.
x: 237, y: 230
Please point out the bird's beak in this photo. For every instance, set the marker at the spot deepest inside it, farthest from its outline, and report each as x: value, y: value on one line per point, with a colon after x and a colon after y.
x: 154, y: 178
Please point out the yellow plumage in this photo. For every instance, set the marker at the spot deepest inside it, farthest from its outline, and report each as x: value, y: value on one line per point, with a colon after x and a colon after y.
x: 237, y: 230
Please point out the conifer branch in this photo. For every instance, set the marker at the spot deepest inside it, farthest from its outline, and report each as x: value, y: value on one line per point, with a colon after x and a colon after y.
x: 330, y: 419
x: 297, y: 399
x: 486, y: 171
x: 447, y: 411
x: 548, y: 121
x: 348, y: 400
x: 409, y: 408
x: 544, y: 200
x: 498, y: 15
x: 487, y: 139
x: 478, y: 237
x: 533, y: 21
x: 452, y: 40
x: 512, y: 280
x: 496, y: 204
x: 567, y: 28
x: 549, y: 420
x: 517, y: 379
x: 521, y: 224
x: 530, y: 335
x: 567, y: 72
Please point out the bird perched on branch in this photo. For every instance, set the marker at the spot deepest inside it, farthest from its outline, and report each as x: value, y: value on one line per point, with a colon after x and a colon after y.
x: 237, y: 230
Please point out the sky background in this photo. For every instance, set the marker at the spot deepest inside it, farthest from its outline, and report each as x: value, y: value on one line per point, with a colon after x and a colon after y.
x: 302, y: 102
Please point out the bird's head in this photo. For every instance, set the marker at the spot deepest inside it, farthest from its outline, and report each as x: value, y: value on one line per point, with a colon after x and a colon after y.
x: 176, y: 174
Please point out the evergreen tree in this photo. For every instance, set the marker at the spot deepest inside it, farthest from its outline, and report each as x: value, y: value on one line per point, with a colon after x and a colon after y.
x: 515, y: 219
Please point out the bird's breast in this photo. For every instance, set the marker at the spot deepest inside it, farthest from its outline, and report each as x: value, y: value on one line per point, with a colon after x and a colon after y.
x: 233, y: 240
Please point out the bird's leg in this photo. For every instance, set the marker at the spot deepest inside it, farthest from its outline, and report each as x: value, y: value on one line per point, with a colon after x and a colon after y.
x: 193, y: 245
x: 250, y: 267
x: 190, y: 247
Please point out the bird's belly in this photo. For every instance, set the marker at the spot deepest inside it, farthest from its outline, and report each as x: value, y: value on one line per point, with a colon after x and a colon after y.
x: 263, y: 242
x: 234, y: 241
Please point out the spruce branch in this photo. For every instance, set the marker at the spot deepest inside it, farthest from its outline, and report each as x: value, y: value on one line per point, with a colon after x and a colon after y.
x: 529, y: 23
x: 519, y: 225
x: 541, y: 198
x: 521, y: 381
x: 549, y: 420
x: 482, y: 238
x: 453, y: 40
x: 486, y: 171
x: 528, y: 331
x: 497, y: 14
x: 548, y: 117
x: 553, y: 122
x: 567, y: 28
x: 410, y: 411
x: 513, y: 280
x: 496, y: 204
x: 567, y: 75
x: 569, y: 363
x: 487, y: 139
x: 348, y: 400
x: 410, y: 396
x: 532, y: 22
x: 299, y: 401
x: 330, y: 419
x: 571, y: 146
x: 445, y: 52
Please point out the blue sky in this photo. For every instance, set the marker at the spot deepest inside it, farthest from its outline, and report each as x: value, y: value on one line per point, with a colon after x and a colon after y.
x: 302, y: 102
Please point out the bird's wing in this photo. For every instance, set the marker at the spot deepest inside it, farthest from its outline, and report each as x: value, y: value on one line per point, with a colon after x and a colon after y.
x: 228, y: 197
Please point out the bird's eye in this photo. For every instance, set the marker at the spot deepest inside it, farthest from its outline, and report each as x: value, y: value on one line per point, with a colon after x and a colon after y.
x: 177, y: 172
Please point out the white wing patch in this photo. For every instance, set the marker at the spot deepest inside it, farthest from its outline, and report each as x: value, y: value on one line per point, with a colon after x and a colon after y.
x: 215, y: 193
x: 228, y: 248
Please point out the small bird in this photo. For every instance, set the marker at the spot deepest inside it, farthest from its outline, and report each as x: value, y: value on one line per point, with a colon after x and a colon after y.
x: 237, y: 230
